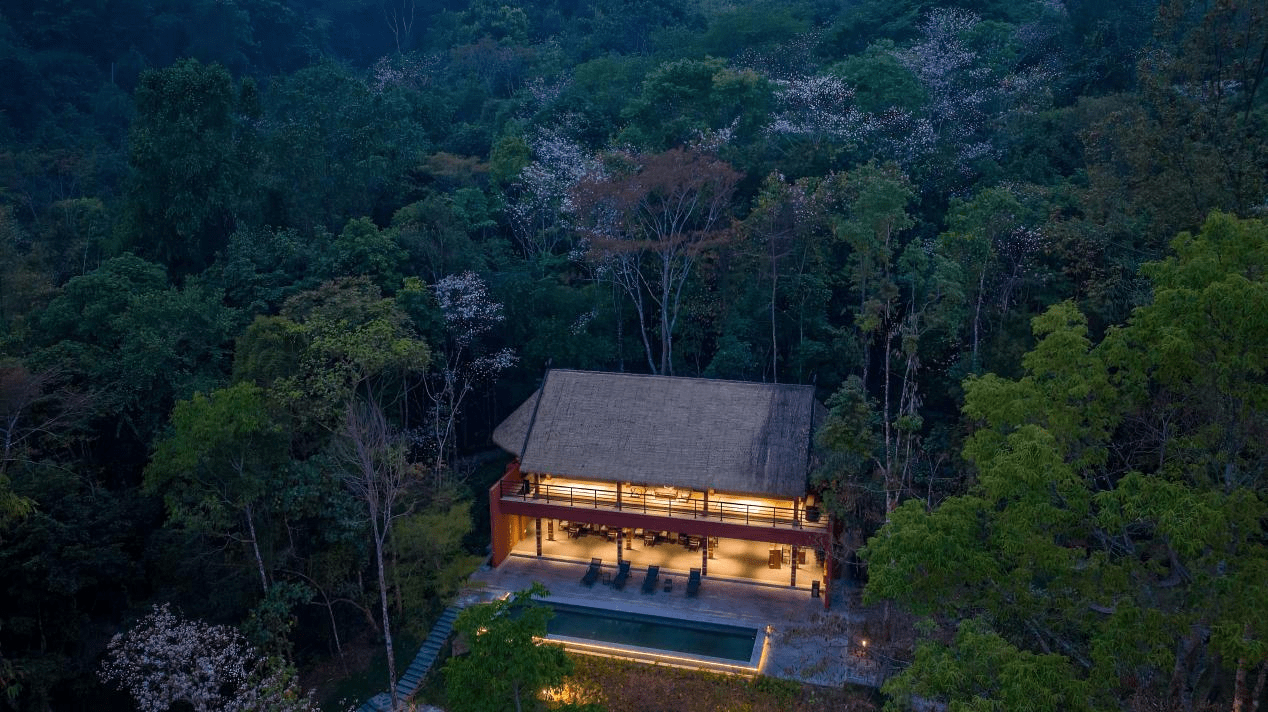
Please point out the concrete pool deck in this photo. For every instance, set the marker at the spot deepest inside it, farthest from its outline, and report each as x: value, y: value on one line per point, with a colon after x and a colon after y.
x: 805, y: 642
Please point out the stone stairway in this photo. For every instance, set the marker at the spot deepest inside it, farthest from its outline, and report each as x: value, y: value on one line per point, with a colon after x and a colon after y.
x: 418, y: 669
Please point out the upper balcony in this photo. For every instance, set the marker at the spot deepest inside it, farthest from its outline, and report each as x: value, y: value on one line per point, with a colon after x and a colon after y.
x: 670, y: 502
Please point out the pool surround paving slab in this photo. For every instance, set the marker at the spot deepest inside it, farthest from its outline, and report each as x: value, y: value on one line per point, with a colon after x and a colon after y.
x: 803, y: 642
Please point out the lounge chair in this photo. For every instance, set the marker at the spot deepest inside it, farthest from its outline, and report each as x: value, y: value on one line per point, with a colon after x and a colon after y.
x: 649, y: 581
x: 693, y: 583
x: 592, y: 573
x: 622, y: 573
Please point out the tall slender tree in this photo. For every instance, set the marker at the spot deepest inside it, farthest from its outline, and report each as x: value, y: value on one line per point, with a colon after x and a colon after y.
x: 376, y: 470
x: 647, y: 226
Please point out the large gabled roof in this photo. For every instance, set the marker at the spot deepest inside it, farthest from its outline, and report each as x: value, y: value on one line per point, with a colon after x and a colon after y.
x: 685, y: 432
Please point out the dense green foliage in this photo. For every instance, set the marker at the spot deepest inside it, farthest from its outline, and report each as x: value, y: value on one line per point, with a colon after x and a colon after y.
x: 1013, y: 244
x: 1116, y: 522
x: 504, y: 667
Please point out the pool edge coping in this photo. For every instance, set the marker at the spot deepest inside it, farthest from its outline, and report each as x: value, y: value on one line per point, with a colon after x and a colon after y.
x: 756, y: 661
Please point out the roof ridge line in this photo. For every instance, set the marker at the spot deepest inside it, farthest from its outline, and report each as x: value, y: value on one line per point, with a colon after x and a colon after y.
x: 703, y: 379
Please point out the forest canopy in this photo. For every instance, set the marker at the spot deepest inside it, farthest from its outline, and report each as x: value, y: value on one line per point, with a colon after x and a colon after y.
x: 271, y: 270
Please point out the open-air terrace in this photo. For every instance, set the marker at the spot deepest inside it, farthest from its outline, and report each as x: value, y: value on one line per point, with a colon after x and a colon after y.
x: 676, y: 502
x: 729, y: 559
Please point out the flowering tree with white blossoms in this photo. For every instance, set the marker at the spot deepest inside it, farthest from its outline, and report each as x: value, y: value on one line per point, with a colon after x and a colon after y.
x: 469, y: 314
x: 165, y: 660
x: 970, y: 92
x: 818, y: 108
x: 541, y: 205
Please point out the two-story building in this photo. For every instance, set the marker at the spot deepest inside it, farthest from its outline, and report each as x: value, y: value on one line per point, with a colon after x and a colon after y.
x: 632, y: 462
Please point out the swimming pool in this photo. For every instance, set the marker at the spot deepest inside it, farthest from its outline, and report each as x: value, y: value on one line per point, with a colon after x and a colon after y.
x: 655, y: 633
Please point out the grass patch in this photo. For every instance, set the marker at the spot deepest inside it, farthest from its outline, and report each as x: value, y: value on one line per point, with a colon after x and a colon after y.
x: 622, y: 686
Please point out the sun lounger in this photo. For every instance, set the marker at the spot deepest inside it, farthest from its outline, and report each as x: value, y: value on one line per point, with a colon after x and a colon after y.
x: 693, y: 583
x: 649, y: 581
x: 592, y: 573
x: 622, y: 574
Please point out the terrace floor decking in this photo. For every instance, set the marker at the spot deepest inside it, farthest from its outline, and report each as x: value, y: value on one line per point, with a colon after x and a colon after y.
x: 732, y: 559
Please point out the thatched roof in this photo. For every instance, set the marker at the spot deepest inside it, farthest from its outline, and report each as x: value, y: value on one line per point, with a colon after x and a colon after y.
x: 657, y: 430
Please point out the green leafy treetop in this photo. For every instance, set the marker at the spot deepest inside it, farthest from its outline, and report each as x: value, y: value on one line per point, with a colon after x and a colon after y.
x: 1114, y: 539
x: 506, y: 667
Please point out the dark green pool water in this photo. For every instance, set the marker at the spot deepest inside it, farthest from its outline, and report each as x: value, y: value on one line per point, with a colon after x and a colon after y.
x: 646, y: 631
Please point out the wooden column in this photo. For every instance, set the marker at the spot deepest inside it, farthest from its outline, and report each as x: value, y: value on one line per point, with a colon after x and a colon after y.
x: 539, y: 537
x: 550, y: 530
x: 620, y: 540
x: 500, y: 524
x: 827, y: 566
x: 793, y: 582
x: 704, y: 555
x: 796, y: 511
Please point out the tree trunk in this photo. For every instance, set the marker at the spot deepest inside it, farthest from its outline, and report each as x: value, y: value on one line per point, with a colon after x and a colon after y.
x: 255, y: 548
x: 1258, y: 692
x: 396, y: 577
x: 977, y: 318
x: 387, y: 627
x: 620, y: 330
x: 774, y: 344
x: 666, y: 340
x: 891, y: 448
x: 334, y: 626
x: 636, y: 296
x: 1239, y: 678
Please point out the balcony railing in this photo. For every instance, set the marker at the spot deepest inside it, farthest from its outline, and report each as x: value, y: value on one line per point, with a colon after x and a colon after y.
x: 718, y: 510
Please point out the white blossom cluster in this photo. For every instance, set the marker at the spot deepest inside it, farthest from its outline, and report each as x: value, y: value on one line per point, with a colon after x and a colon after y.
x: 466, y: 306
x: 819, y: 106
x: 960, y: 89
x: 710, y: 140
x: 785, y: 61
x: 1018, y: 252
x: 165, y: 660
x: 967, y: 96
x: 543, y: 93
x: 582, y: 321
x: 541, y: 207
x: 404, y: 71
x: 1022, y: 245
x: 486, y: 367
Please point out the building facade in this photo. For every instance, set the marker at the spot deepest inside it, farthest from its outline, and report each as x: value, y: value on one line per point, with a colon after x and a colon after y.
x: 632, y: 462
